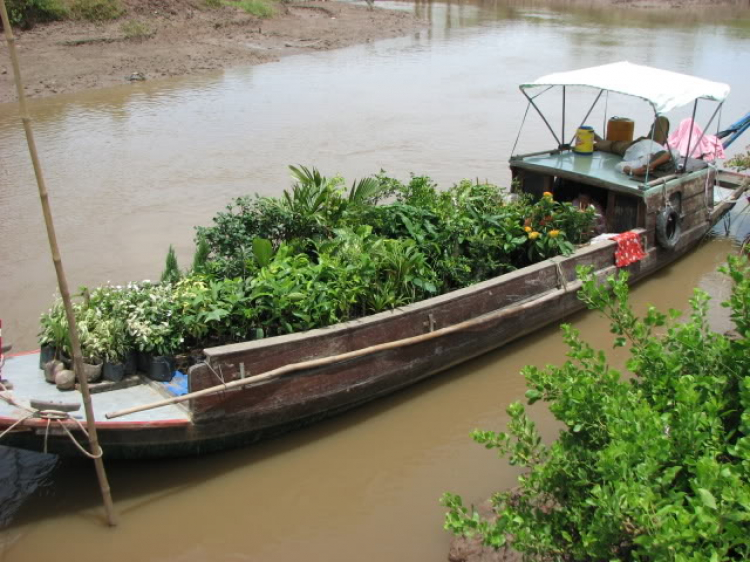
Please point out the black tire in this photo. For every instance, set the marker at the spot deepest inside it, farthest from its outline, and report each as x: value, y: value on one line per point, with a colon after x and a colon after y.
x: 668, y: 228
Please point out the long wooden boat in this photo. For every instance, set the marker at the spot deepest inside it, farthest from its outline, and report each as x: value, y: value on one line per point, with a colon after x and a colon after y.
x: 248, y: 391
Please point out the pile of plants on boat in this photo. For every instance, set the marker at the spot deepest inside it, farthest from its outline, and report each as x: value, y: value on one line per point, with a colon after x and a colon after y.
x: 318, y: 255
x: 647, y: 468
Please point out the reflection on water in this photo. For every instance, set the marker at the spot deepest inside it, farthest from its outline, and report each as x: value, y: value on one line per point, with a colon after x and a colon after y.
x: 132, y: 169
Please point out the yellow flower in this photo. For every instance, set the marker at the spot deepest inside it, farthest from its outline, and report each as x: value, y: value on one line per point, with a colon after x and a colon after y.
x: 554, y: 233
x: 533, y: 235
x: 527, y: 229
x: 547, y: 194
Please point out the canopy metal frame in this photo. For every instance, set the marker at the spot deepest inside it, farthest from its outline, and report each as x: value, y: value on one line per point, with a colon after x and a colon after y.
x: 565, y: 146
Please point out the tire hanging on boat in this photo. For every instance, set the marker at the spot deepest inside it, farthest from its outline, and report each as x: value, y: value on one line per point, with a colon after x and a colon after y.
x: 668, y: 228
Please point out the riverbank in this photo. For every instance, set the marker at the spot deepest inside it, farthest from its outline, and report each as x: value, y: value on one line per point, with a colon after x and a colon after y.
x: 159, y: 39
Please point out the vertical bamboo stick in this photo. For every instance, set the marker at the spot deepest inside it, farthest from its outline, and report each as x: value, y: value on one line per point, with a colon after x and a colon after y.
x: 61, y: 279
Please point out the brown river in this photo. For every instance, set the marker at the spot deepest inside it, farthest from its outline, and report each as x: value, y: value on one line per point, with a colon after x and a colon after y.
x: 132, y: 169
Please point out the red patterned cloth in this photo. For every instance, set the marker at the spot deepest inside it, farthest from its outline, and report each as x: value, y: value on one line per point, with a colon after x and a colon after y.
x: 629, y: 249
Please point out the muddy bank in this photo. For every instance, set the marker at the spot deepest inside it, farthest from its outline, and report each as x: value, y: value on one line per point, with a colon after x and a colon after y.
x: 178, y: 38
x: 165, y: 38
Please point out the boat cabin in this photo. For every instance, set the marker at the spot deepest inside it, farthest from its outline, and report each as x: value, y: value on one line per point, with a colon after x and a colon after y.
x: 575, y: 168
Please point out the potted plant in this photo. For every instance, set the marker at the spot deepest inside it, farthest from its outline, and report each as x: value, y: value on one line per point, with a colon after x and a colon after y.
x: 93, y: 336
x: 54, y: 340
x: 154, y: 329
x: 114, y: 350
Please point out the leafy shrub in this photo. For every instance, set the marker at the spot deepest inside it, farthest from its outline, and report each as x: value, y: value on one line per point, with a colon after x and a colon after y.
x: 653, y: 468
x: 259, y: 8
x: 96, y: 10
x: 27, y: 13
x: 171, y: 273
x: 323, y: 254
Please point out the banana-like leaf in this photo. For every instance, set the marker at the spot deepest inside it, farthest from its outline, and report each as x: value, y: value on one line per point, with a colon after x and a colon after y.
x: 364, y: 189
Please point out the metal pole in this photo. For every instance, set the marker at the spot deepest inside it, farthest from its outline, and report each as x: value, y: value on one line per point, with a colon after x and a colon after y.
x: 690, y: 138
x: 531, y: 101
x: 562, y: 131
x: 700, y: 138
x: 593, y: 105
x: 61, y: 280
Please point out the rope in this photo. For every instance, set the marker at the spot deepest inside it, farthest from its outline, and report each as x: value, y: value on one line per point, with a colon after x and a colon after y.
x: 98, y: 455
x: 218, y: 377
x: 49, y: 416
x: 18, y: 421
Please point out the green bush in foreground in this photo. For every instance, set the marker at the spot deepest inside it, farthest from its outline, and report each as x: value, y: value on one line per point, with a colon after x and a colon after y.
x: 656, y: 468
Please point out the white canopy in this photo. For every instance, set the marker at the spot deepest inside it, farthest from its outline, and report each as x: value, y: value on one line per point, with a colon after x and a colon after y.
x: 665, y: 90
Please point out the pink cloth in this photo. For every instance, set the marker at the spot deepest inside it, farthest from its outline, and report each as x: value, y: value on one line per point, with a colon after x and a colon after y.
x: 710, y: 148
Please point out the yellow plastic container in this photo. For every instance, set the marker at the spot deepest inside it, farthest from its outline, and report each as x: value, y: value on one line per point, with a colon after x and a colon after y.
x: 620, y: 129
x: 584, y: 143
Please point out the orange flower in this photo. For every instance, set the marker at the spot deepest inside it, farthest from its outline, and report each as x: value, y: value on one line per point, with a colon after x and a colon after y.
x: 554, y: 233
x: 527, y: 228
x: 547, y: 194
x: 533, y: 235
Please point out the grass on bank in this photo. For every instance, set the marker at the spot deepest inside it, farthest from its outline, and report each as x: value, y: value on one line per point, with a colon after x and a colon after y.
x: 28, y: 13
x: 136, y: 30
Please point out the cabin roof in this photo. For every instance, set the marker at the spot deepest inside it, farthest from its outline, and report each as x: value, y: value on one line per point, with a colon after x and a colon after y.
x: 663, y: 89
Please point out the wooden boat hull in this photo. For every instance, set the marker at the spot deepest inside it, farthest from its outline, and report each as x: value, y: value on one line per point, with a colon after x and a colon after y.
x: 501, y: 310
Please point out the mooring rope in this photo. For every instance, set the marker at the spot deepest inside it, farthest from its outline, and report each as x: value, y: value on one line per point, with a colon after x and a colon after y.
x: 49, y: 416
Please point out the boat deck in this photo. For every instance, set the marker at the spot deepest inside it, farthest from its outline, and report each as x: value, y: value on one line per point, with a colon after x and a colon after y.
x: 28, y: 383
x: 599, y: 166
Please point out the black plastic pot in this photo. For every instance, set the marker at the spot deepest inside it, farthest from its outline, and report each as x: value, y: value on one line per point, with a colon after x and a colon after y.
x: 114, y: 372
x: 160, y: 367
x: 46, y: 354
x: 142, y: 361
x: 131, y: 363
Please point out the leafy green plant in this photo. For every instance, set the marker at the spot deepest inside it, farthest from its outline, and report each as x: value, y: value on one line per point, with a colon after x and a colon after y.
x: 171, y: 273
x: 651, y: 468
x: 258, y: 8
x: 201, y: 255
x: 320, y: 255
x: 136, y: 30
x: 263, y: 251
x: 96, y: 10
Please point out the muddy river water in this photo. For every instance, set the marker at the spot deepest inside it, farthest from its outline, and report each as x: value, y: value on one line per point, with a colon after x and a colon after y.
x: 133, y: 169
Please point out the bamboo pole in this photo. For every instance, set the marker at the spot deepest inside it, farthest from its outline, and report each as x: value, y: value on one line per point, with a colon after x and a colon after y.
x: 61, y: 279
x: 323, y: 361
